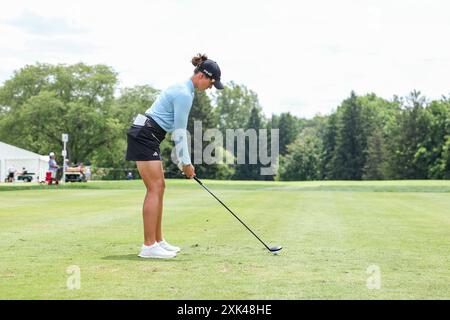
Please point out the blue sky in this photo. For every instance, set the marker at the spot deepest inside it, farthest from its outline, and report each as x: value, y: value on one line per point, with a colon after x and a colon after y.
x: 299, y: 56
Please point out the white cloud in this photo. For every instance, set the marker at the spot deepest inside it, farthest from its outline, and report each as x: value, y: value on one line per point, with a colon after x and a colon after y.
x: 33, y: 23
x: 299, y: 56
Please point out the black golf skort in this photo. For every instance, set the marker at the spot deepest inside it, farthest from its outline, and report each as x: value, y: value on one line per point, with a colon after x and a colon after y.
x: 144, y: 141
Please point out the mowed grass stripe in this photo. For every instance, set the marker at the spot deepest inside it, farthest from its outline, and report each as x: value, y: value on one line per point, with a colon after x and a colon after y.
x: 329, y: 240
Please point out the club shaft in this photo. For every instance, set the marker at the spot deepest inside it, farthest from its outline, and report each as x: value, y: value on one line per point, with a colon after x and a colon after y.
x: 200, y: 183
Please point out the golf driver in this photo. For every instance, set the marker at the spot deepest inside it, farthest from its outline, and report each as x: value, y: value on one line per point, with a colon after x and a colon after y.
x: 273, y: 250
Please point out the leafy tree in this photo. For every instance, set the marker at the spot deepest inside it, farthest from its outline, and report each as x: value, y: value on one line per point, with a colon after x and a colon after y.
x: 289, y: 130
x: 91, y: 85
x: 408, y: 139
x: 43, y: 101
x: 444, y: 161
x: 233, y: 106
x: 349, y: 158
x: 34, y: 127
x: 439, y: 131
x: 303, y: 160
x: 250, y: 171
x: 329, y: 146
x: 26, y: 83
x: 366, y: 137
x: 45, y: 118
x: 237, y: 107
x: 375, y: 167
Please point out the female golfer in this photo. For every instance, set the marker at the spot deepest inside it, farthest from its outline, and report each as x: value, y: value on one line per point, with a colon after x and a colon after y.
x: 169, y: 113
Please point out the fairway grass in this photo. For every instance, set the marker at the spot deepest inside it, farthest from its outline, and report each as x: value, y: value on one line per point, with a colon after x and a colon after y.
x: 341, y: 240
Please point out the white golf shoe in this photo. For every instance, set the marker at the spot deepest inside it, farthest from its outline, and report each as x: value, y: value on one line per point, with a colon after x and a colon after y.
x: 155, y: 251
x: 166, y: 246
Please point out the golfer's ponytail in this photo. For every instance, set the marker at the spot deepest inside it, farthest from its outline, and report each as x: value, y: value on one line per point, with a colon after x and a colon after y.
x: 197, y: 60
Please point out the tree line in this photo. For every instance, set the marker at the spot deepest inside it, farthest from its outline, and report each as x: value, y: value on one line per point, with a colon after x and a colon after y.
x: 370, y: 138
x: 365, y: 137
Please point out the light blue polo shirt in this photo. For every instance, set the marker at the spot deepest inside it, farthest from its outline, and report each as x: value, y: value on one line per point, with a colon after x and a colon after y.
x: 171, y: 111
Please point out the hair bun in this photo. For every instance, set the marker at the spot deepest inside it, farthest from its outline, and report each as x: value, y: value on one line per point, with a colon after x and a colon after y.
x: 198, y: 59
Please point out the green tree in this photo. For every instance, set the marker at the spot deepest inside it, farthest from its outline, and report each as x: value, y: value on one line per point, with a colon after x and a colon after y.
x: 43, y: 101
x: 289, y: 129
x: 409, y: 158
x: 444, y: 161
x: 375, y: 167
x: 329, y: 146
x: 249, y: 171
x: 233, y: 106
x: 237, y: 107
x: 26, y: 83
x: 304, y: 157
x: 91, y: 85
x: 351, y: 142
x: 439, y: 131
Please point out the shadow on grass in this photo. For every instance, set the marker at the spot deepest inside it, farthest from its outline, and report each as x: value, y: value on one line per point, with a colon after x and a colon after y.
x: 134, y: 257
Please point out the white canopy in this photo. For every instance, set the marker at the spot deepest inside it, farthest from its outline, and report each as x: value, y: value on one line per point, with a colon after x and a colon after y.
x: 11, y: 156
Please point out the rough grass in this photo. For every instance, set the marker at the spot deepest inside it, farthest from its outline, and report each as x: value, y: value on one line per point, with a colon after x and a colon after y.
x: 332, y: 232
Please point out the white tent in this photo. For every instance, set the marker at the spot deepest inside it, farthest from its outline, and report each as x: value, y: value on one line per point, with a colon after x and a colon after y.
x: 19, y: 158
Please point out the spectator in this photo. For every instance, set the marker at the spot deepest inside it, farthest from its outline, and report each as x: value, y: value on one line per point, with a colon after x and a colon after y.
x: 66, y: 165
x: 88, y: 173
x: 53, y: 168
x: 11, y: 173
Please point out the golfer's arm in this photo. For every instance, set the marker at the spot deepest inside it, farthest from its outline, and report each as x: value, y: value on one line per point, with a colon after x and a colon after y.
x: 182, y: 106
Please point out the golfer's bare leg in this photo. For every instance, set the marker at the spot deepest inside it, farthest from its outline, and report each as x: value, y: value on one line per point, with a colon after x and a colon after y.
x: 153, y: 176
x: 159, y: 235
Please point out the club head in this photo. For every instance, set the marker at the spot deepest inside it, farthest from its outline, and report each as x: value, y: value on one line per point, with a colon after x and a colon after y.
x: 276, y: 250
